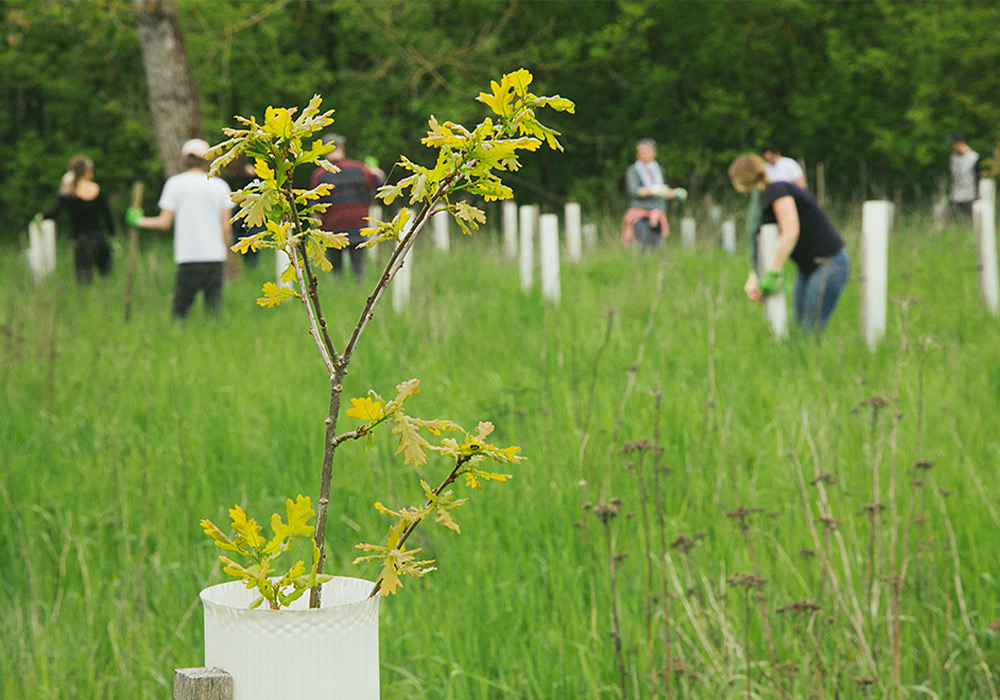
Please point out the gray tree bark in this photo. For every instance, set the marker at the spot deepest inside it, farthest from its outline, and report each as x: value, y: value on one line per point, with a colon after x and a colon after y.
x: 173, y: 98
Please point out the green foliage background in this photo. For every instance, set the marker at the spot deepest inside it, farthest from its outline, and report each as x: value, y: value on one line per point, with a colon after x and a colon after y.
x: 117, y: 438
x: 869, y: 88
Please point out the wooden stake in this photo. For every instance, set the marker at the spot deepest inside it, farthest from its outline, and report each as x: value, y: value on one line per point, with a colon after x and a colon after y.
x: 202, y: 684
x: 133, y: 251
x: 876, y: 220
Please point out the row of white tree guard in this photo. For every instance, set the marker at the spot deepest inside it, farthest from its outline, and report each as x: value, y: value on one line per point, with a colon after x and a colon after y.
x: 520, y: 224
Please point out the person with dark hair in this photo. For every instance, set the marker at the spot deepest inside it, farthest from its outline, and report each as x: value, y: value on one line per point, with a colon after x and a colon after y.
x: 964, y: 164
x: 199, y: 208
x: 645, y: 219
x: 90, y: 219
x: 782, y: 168
x: 806, y: 236
x: 353, y: 185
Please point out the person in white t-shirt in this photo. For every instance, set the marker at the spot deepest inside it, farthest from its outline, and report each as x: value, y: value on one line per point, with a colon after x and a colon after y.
x: 199, y: 209
x: 781, y: 168
x: 964, y: 166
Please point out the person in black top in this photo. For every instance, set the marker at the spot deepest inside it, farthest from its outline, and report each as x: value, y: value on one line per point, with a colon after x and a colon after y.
x: 806, y: 236
x: 90, y: 220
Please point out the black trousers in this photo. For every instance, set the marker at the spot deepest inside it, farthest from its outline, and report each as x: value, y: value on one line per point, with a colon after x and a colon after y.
x: 206, y: 277
x: 90, y: 252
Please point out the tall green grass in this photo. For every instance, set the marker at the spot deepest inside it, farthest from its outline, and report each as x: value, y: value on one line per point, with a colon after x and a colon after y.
x: 116, y: 438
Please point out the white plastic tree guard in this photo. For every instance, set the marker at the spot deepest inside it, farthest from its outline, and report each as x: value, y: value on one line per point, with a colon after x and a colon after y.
x: 509, y: 209
x: 281, y: 263
x: 527, y: 218
x: 330, y: 653
x: 548, y: 225
x: 590, y: 236
x: 574, y: 232
x: 42, y: 248
x: 988, y: 190
x: 729, y: 236
x: 442, y: 222
x: 401, y: 282
x: 986, y: 232
x: 374, y: 212
x: 687, y: 232
x: 775, y: 307
x: 876, y: 220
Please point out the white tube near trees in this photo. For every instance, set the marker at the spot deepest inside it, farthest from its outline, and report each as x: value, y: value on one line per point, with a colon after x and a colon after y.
x: 42, y: 248
x: 590, y: 235
x: 989, y: 285
x: 401, y: 282
x: 527, y: 217
x: 510, y: 229
x: 687, y: 232
x: 775, y: 307
x: 441, y: 221
x: 729, y: 236
x: 876, y: 220
x: 574, y: 232
x: 548, y: 226
x: 326, y: 653
x: 281, y: 263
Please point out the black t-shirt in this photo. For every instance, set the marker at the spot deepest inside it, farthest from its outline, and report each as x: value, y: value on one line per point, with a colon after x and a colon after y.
x: 87, y: 217
x: 817, y: 236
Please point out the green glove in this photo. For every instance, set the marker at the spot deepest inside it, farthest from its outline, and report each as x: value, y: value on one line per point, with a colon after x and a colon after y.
x: 680, y: 194
x: 371, y: 162
x: 132, y: 216
x: 769, y: 283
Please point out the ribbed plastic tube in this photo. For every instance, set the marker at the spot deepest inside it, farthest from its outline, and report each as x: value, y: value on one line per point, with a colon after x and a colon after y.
x: 330, y: 653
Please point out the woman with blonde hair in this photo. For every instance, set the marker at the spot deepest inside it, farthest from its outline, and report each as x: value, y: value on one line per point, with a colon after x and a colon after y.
x: 90, y: 221
x: 805, y: 235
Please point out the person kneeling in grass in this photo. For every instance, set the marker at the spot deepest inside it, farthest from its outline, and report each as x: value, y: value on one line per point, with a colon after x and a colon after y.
x: 805, y: 235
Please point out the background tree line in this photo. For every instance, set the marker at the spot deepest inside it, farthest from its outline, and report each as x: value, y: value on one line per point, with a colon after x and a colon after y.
x: 870, y: 89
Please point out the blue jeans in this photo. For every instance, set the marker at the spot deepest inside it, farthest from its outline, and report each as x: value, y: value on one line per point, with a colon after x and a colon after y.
x: 647, y: 236
x: 816, y: 295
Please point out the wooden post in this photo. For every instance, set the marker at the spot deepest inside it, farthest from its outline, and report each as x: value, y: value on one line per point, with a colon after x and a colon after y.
x: 729, y: 236
x: 202, y: 684
x: 986, y: 231
x: 687, y: 232
x: 574, y: 234
x: 527, y: 216
x: 133, y: 251
x: 775, y: 308
x: 821, y: 184
x: 876, y: 220
x: 441, y: 221
x: 510, y: 229
x: 589, y: 236
x: 401, y: 282
x: 548, y: 225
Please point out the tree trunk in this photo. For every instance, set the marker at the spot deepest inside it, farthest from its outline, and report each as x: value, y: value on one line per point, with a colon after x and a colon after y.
x: 173, y: 99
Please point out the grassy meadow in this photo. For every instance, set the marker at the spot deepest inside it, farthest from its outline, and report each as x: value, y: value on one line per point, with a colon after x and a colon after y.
x: 705, y: 512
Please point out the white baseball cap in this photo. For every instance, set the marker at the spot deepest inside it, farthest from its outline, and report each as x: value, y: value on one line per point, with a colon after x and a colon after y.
x: 195, y: 147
